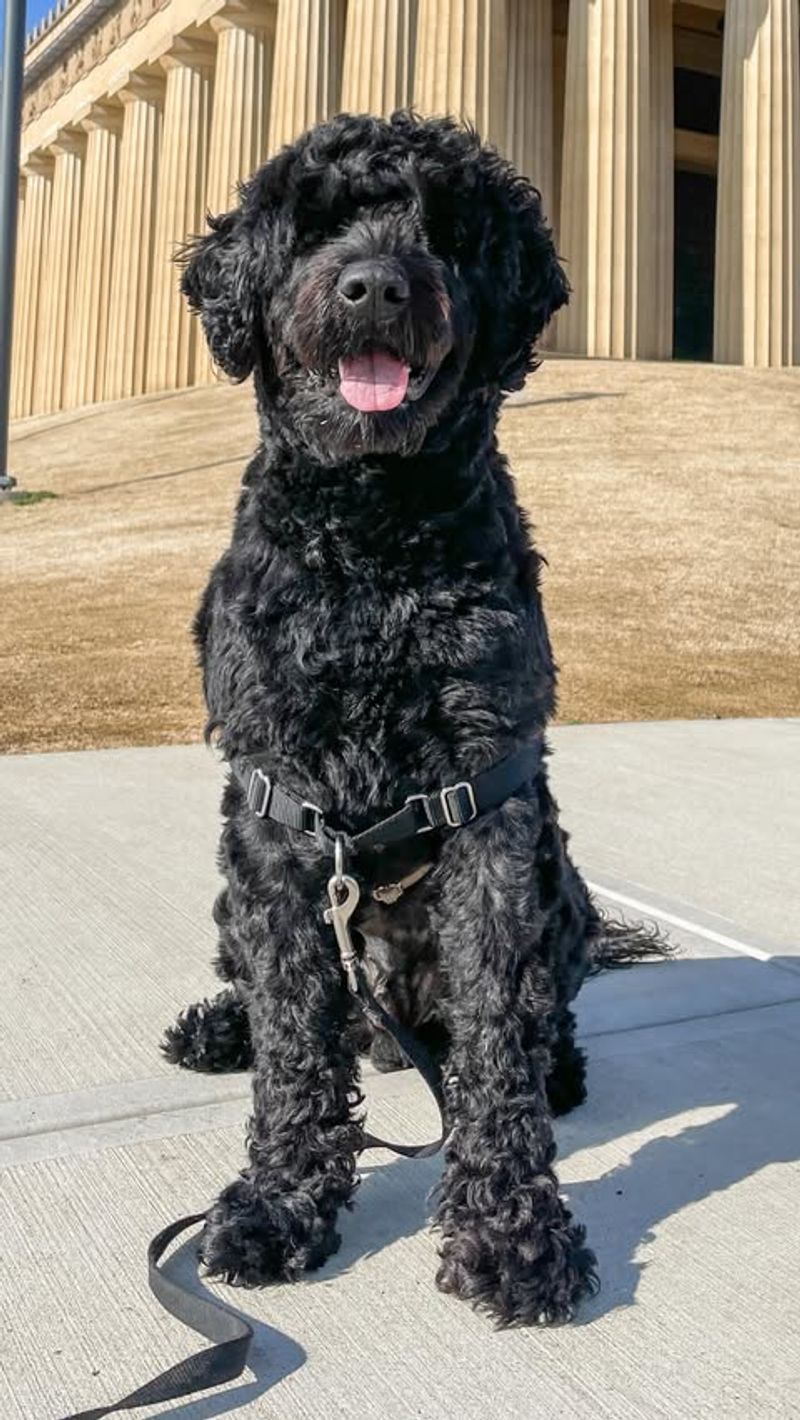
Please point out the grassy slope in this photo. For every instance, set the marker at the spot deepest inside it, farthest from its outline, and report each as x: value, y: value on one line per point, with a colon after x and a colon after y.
x: 665, y: 498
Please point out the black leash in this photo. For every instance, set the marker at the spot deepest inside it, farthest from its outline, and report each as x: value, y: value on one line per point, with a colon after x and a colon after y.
x: 450, y: 807
x: 231, y: 1334
x: 223, y: 1362
x: 422, y: 1061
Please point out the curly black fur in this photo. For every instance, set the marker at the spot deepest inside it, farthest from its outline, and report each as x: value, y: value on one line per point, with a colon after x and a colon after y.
x: 376, y: 628
x: 213, y: 1036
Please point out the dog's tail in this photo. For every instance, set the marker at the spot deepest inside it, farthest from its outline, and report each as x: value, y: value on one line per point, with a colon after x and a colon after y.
x: 619, y: 943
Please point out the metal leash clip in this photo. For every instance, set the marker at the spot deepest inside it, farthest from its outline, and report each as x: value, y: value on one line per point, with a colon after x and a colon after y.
x: 343, y: 894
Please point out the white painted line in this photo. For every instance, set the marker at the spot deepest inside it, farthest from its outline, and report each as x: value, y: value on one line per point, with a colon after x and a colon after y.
x: 682, y: 922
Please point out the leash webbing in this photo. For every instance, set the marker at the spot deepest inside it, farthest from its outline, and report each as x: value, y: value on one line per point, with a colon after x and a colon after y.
x: 231, y: 1333
x: 222, y: 1362
x: 420, y: 1058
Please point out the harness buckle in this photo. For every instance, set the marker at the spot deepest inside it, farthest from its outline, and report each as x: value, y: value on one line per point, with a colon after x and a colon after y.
x: 458, y: 804
x: 317, y: 818
x: 456, y: 812
x: 422, y: 799
x: 259, y: 792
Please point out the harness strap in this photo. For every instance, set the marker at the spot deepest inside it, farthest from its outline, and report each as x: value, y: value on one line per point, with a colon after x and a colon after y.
x: 453, y: 806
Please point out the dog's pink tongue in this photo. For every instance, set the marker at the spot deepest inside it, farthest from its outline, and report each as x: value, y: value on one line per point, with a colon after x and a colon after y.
x: 374, y: 381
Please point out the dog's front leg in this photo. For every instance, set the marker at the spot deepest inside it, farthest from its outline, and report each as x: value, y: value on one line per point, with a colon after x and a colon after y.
x: 278, y: 1218
x: 509, y: 1243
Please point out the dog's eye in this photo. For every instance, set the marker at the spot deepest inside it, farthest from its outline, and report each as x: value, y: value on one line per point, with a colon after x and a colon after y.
x: 319, y: 227
x: 449, y: 243
x: 448, y: 228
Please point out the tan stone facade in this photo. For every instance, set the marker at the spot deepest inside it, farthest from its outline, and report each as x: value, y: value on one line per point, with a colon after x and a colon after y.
x: 664, y: 136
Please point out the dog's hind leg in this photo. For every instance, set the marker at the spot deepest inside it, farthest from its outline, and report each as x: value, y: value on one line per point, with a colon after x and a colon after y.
x: 214, y: 1036
x: 566, y: 1079
x: 571, y: 934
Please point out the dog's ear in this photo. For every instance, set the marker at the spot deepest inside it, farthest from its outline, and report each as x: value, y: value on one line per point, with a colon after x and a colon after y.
x: 219, y: 284
x: 487, y: 221
x: 522, y: 281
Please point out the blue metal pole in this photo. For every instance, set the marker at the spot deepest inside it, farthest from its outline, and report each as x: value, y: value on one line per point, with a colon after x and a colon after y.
x: 10, y: 128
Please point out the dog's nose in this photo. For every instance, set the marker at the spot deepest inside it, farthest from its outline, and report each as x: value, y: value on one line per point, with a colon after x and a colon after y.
x: 375, y: 287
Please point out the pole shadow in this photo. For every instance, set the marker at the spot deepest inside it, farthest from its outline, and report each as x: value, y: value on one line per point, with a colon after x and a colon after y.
x: 576, y: 398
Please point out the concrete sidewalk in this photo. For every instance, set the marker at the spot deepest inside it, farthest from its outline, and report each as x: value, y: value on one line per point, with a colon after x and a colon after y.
x: 683, y: 1165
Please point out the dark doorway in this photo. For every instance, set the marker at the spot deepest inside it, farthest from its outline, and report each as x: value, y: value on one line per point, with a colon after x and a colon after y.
x: 695, y: 220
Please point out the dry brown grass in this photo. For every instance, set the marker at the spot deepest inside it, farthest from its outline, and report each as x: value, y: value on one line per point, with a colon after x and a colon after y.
x: 665, y: 498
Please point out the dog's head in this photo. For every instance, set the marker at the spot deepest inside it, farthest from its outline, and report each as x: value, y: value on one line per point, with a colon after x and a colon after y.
x: 376, y: 275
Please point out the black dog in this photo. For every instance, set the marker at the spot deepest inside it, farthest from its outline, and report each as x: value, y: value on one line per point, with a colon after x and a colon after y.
x: 375, y: 631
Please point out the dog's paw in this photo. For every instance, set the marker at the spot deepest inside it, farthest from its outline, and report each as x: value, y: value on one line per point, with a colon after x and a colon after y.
x: 251, y: 1239
x: 212, y: 1036
x: 532, y: 1278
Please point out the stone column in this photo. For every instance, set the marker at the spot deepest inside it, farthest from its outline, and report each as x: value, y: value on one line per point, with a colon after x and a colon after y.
x: 559, y: 76
x: 606, y: 226
x: 19, y: 309
x: 86, y: 338
x: 60, y: 267
x: 174, y: 336
x: 308, y: 66
x: 462, y: 62
x: 142, y: 97
x: 379, y: 44
x: 529, y: 120
x: 240, y: 115
x: 662, y: 107
x: 38, y: 173
x: 240, y: 118
x: 757, y: 277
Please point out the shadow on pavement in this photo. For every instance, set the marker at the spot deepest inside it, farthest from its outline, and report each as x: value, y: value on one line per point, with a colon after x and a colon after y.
x: 748, y: 1081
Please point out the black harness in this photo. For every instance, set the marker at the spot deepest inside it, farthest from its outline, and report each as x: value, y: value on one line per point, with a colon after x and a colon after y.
x: 454, y: 806
x: 448, y: 808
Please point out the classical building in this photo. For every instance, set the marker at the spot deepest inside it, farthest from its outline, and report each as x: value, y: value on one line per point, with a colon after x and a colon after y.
x: 665, y: 138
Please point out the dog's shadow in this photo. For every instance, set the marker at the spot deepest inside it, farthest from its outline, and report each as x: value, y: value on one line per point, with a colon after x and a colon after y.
x: 741, y: 1088
x: 737, y: 1084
